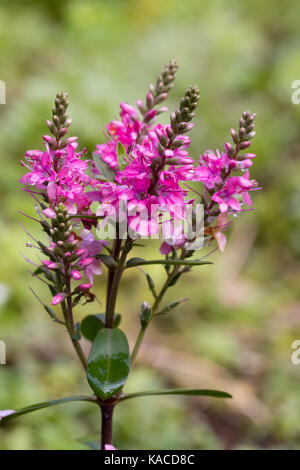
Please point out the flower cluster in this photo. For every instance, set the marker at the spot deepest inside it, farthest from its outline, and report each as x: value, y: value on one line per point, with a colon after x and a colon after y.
x: 59, y: 172
x: 59, y: 176
x: 153, y: 170
x: 143, y: 164
x: 215, y: 170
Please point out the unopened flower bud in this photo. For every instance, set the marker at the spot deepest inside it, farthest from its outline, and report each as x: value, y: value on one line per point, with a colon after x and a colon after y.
x: 58, y: 298
x: 244, y: 145
x: 76, y: 275
x: 84, y: 287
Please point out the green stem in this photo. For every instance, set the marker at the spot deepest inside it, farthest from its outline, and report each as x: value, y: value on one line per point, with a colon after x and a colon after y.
x: 138, y: 344
x: 155, y: 308
x: 67, y: 311
x: 115, y: 253
x: 115, y: 282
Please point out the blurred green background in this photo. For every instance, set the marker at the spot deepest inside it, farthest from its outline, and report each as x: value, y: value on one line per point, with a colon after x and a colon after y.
x: 244, y: 312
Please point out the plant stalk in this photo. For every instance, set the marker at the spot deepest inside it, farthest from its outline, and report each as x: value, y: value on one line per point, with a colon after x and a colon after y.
x: 106, y: 428
x: 155, y: 307
x: 67, y: 311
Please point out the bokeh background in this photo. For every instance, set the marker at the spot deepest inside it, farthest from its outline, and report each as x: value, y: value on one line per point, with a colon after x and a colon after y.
x: 244, y: 312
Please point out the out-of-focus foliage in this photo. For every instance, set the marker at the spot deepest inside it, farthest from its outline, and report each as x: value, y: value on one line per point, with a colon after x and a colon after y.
x: 236, y: 331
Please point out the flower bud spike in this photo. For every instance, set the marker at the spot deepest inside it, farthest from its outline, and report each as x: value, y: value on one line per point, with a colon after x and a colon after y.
x: 159, y: 93
x: 61, y: 121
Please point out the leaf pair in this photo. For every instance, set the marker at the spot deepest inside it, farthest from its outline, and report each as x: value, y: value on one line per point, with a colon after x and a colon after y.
x: 47, y: 404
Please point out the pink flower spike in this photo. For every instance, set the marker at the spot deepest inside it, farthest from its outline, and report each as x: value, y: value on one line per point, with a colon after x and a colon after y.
x: 76, y: 275
x: 109, y: 447
x: 84, y: 286
x: 49, y: 213
x: 58, y: 298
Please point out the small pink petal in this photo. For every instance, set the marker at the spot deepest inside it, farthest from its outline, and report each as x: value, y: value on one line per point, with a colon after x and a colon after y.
x: 86, y: 261
x: 49, y: 213
x: 52, y: 191
x: 221, y: 240
x: 109, y: 447
x: 4, y: 413
x: 49, y: 264
x: 165, y: 248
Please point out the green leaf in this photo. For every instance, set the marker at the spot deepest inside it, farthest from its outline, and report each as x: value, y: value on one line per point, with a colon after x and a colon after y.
x: 108, y: 363
x: 174, y: 279
x: 107, y: 260
x: 134, y: 262
x: 91, y: 324
x: 49, y: 310
x: 151, y: 285
x: 197, y: 392
x: 103, y: 167
x: 168, y: 262
x: 121, y: 154
x: 169, y: 307
x: 46, y: 404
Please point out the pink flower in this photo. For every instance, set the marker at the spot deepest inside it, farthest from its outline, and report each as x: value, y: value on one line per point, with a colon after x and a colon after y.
x: 62, y: 173
x: 233, y: 187
x: 89, y: 248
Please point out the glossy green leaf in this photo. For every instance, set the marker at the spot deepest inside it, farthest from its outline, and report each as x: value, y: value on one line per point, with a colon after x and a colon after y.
x: 103, y: 167
x: 167, y: 262
x: 196, y: 392
x: 91, y: 324
x: 109, y: 362
x: 46, y: 404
